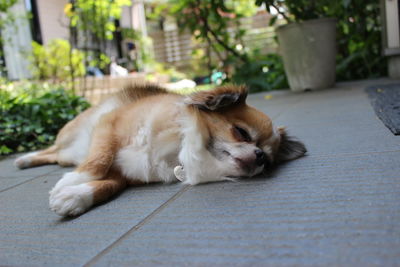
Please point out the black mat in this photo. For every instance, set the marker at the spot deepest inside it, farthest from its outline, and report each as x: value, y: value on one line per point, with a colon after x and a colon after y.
x: 386, y: 101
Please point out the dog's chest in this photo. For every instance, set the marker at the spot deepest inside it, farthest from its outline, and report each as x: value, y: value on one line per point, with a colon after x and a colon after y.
x: 150, y: 157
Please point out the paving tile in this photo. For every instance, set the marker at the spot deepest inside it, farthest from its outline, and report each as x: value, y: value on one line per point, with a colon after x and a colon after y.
x: 30, y: 234
x: 10, y: 176
x: 314, y: 211
x: 332, y: 106
x: 275, y: 104
x: 346, y: 138
x: 336, y: 206
x: 337, y: 121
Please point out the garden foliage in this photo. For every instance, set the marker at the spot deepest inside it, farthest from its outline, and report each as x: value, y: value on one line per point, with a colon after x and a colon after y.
x: 358, y: 40
x: 208, y: 20
x: 145, y: 58
x: 359, y: 31
x: 93, y: 24
x: 32, y: 114
x: 262, y: 72
x: 57, y: 61
x: 96, y: 16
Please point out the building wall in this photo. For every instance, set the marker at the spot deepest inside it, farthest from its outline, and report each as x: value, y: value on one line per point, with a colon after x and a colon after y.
x: 53, y: 21
x: 17, y: 40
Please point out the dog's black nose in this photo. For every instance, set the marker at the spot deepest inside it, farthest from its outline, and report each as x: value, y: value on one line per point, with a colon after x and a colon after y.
x: 260, y: 157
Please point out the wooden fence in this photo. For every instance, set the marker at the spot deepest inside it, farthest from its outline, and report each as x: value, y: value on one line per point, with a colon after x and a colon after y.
x: 174, y: 48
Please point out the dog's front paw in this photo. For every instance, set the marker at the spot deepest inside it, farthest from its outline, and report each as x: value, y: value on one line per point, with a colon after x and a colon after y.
x: 70, y: 179
x: 71, y: 200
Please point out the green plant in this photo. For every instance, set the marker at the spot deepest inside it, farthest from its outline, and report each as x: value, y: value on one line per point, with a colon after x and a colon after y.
x: 96, y: 16
x: 98, y: 60
x: 57, y: 61
x: 209, y: 20
x: 93, y: 22
x: 359, y: 31
x: 31, y: 118
x: 359, y: 41
x: 144, y: 44
x: 298, y: 10
x: 261, y: 73
x: 159, y: 69
x: 6, y: 17
x: 7, y: 20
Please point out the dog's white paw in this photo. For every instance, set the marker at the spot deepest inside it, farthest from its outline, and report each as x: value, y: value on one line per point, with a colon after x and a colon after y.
x: 71, y: 200
x: 24, y: 161
x: 68, y: 179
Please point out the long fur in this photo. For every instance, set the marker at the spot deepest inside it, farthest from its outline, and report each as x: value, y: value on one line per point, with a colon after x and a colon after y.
x: 141, y: 134
x: 134, y: 92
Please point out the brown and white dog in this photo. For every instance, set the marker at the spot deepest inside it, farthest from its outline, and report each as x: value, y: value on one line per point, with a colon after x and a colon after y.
x: 142, y: 133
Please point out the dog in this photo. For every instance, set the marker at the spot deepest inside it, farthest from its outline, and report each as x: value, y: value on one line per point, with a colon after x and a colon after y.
x: 141, y: 134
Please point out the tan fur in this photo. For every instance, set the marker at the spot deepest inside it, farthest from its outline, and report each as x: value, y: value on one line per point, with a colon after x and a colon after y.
x: 47, y: 156
x: 134, y: 92
x: 117, y: 128
x: 103, y: 147
x: 215, y: 113
x: 108, y: 187
x: 204, y: 96
x: 67, y: 134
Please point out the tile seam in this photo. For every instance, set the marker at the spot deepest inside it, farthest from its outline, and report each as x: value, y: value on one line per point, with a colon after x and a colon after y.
x: 29, y: 180
x: 137, y: 226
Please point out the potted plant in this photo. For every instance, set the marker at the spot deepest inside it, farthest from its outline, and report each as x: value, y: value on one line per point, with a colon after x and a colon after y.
x: 307, y: 42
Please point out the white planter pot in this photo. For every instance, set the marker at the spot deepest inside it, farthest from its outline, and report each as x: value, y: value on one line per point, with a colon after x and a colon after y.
x: 309, y: 53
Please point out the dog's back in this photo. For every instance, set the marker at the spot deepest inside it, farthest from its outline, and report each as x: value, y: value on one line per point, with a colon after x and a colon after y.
x: 73, y: 140
x: 134, y: 92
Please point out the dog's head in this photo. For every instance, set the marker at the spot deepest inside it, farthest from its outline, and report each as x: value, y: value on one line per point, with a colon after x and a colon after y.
x: 240, y: 136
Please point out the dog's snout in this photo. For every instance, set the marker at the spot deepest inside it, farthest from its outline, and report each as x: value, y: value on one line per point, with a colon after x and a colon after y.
x: 260, y: 157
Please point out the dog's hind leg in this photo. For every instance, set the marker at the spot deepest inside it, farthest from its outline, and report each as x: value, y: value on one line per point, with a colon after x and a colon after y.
x: 76, y: 199
x: 98, y: 161
x: 38, y: 158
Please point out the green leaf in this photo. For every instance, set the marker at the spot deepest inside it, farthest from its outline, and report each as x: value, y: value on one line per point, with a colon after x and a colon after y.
x: 5, y: 150
x: 273, y: 20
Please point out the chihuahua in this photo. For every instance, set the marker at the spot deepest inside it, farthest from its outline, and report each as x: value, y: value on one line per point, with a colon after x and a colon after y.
x: 141, y: 134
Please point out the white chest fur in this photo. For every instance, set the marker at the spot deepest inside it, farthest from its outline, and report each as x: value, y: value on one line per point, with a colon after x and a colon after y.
x: 150, y: 157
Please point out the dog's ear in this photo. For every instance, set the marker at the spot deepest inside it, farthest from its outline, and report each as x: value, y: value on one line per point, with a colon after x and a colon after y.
x: 219, y: 98
x: 289, y: 147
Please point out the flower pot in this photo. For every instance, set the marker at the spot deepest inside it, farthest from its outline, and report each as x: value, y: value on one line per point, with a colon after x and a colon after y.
x: 309, y: 53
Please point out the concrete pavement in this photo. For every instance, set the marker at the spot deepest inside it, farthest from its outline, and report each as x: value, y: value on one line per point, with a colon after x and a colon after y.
x: 340, y: 205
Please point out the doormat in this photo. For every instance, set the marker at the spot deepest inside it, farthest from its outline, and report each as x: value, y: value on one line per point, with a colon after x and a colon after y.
x: 385, y: 100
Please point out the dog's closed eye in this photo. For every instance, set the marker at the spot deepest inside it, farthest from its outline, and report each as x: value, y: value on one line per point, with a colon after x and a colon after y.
x: 241, y: 134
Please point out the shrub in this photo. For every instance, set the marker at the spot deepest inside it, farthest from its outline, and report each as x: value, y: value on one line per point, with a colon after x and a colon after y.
x: 262, y: 73
x: 359, y: 29
x: 57, y: 60
x: 29, y: 121
x: 144, y: 44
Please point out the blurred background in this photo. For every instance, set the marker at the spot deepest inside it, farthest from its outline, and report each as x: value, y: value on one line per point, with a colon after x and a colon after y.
x: 58, y: 56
